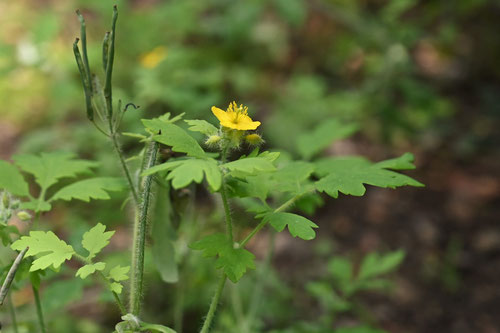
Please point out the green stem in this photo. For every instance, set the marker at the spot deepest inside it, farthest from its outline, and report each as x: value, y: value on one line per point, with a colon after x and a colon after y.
x: 227, y: 211
x: 213, y: 305
x: 123, y: 163
x: 39, y: 309
x: 136, y: 281
x: 12, y: 314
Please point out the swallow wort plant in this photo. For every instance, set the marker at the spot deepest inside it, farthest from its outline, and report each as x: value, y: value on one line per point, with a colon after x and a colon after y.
x: 269, y: 185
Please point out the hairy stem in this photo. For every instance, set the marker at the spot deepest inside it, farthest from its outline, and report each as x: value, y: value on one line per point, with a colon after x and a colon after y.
x: 12, y: 311
x: 39, y: 309
x: 136, y: 282
x: 213, y: 305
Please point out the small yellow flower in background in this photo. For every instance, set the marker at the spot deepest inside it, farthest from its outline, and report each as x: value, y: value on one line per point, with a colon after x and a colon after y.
x: 153, y: 57
x: 236, y: 117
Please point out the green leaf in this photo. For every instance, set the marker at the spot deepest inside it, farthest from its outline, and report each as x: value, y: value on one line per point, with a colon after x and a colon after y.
x: 96, y: 239
x: 403, y: 162
x: 250, y: 165
x: 12, y: 180
x: 349, y: 174
x: 116, y: 287
x: 119, y: 273
x: 376, y: 264
x: 184, y: 172
x: 257, y: 186
x: 202, y: 126
x: 292, y: 177
x: 48, y: 168
x: 298, y: 226
x: 93, y: 188
x: 51, y: 250
x: 156, y: 328
x: 36, y: 205
x: 233, y: 261
x: 86, y: 270
x: 324, y: 135
x: 180, y: 141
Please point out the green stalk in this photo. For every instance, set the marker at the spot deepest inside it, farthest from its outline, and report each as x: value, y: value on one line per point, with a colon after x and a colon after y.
x: 136, y: 281
x: 12, y: 314
x: 123, y: 163
x: 39, y: 309
x: 213, y: 305
x: 229, y: 232
x: 108, y: 92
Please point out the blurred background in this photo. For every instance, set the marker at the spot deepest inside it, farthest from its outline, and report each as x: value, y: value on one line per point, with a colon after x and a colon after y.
x: 417, y: 76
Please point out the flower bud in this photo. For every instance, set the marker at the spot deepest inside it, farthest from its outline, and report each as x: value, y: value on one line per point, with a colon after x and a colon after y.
x: 24, y: 216
x: 254, y: 139
x: 5, y: 200
x: 213, y: 140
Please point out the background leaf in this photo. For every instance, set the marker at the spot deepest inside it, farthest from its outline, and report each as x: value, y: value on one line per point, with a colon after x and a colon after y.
x: 93, y: 188
x: 298, y: 226
x: 12, y: 180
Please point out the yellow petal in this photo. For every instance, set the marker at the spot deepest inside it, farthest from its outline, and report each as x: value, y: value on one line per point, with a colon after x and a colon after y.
x: 220, y: 114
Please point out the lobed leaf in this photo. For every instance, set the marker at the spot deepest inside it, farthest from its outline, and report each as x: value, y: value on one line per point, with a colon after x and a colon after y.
x: 375, y: 264
x: 96, y: 239
x: 89, y: 269
x: 48, y: 168
x: 321, y: 137
x: 184, y: 172
x: 119, y: 273
x: 202, y: 126
x: 349, y: 174
x: 52, y: 250
x: 12, y: 180
x: 93, y: 188
x: 250, y: 165
x: 233, y: 261
x: 298, y: 226
x: 177, y: 138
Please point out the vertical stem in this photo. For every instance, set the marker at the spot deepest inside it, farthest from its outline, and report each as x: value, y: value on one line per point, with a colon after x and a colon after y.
x: 229, y: 232
x: 213, y: 305
x: 12, y: 314
x: 140, y: 224
x: 123, y: 163
x: 39, y: 309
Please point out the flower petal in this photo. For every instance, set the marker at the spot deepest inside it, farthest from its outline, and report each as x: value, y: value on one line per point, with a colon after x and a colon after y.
x: 220, y: 114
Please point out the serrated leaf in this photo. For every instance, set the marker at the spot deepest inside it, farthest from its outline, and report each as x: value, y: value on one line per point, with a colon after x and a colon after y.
x: 403, y: 162
x: 293, y: 177
x: 349, y: 174
x: 257, y: 186
x: 234, y: 262
x: 375, y: 264
x: 202, y: 126
x: 184, y: 172
x: 36, y: 205
x: 12, y: 180
x: 180, y: 141
x: 324, y: 135
x: 250, y: 165
x: 119, y: 273
x: 52, y: 251
x: 96, y: 239
x: 116, y: 287
x: 298, y: 226
x: 86, y: 270
x: 93, y: 188
x: 48, y: 168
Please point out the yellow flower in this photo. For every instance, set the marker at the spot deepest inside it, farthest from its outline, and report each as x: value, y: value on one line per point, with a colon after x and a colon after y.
x: 236, y: 117
x: 154, y: 57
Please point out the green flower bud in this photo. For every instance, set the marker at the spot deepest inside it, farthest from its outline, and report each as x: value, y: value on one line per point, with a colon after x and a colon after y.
x: 212, y: 140
x: 24, y: 216
x: 254, y: 139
